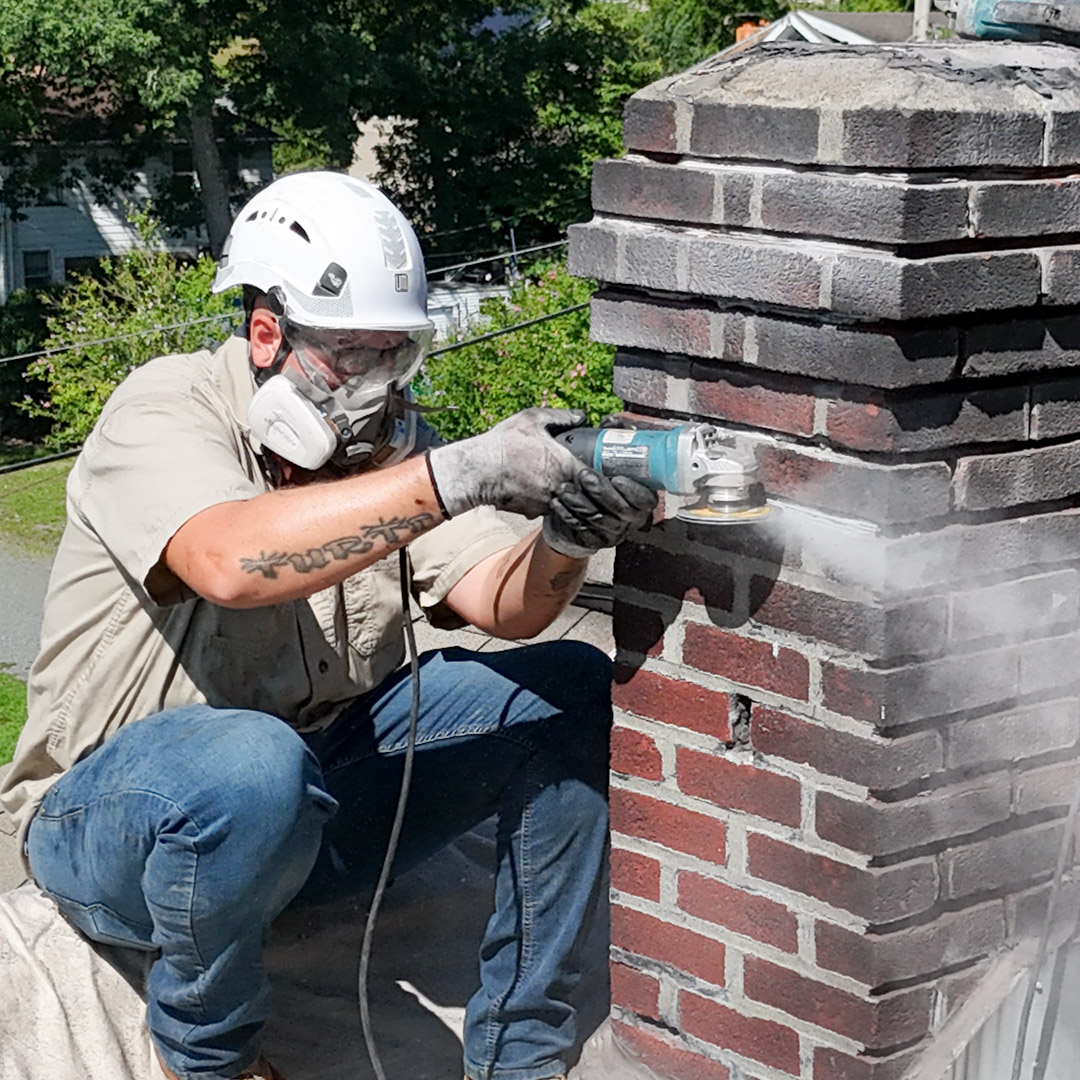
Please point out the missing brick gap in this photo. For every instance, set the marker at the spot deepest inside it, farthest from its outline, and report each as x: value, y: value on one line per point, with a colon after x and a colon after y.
x: 648, y: 1021
x: 739, y: 721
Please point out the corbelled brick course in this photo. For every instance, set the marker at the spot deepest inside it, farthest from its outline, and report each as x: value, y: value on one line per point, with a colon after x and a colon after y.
x: 846, y: 738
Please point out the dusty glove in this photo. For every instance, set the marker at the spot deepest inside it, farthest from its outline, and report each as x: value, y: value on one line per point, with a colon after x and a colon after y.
x: 515, y: 466
x: 592, y: 512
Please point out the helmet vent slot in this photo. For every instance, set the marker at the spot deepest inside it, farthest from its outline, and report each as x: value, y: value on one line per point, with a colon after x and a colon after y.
x: 300, y: 231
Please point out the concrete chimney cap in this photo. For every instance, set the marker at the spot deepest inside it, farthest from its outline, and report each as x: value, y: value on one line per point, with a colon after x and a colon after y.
x: 914, y: 105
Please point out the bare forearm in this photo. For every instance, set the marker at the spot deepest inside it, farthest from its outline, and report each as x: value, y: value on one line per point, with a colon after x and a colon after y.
x: 291, y: 543
x: 519, y: 592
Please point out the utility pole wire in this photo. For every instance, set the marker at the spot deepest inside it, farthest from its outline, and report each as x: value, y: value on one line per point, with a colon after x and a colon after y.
x: 501, y: 255
x: 118, y: 337
x: 435, y: 352
x: 55, y: 350
x: 507, y: 329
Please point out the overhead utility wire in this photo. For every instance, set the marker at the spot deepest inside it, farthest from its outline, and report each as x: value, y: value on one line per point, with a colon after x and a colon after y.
x: 502, y: 255
x: 117, y: 337
x: 497, y: 226
x: 507, y: 329
x: 435, y: 352
x: 232, y: 315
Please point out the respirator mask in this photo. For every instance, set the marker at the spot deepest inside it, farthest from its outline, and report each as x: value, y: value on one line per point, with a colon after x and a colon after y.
x: 346, y: 400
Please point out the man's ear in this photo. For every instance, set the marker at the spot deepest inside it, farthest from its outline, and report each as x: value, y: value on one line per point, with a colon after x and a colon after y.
x: 264, y: 336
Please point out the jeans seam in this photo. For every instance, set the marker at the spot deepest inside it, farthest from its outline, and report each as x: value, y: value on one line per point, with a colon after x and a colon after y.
x: 526, y: 948
x: 428, y: 741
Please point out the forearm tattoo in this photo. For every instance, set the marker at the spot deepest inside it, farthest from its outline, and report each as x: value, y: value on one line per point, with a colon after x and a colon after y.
x: 565, y: 580
x: 304, y: 562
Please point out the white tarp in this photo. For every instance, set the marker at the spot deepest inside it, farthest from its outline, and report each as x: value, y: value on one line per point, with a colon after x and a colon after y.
x: 67, y: 1013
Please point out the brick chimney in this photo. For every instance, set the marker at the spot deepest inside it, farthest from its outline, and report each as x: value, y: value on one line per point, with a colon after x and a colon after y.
x: 846, y: 738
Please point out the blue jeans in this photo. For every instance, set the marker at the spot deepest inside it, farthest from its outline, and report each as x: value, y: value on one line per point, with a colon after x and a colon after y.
x: 189, y: 831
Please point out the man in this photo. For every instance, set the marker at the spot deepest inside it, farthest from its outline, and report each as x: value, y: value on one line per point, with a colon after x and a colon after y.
x: 218, y: 713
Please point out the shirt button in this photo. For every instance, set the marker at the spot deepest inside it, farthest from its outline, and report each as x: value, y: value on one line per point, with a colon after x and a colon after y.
x: 324, y: 667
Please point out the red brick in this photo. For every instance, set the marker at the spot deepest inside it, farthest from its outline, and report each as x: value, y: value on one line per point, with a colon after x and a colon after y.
x: 644, y: 935
x: 634, y: 990
x: 875, y: 959
x: 1026, y: 912
x: 672, y: 701
x: 651, y: 569
x: 953, y: 990
x: 634, y: 873
x: 1040, y: 789
x: 736, y: 786
x: 887, y: 494
x: 830, y: 1064
x: 741, y: 399
x: 649, y: 124
x: 921, y: 691
x: 929, y: 421
x: 637, y: 629
x: 913, y: 628
x: 875, y: 1022
x: 635, y: 754
x: 1013, y: 736
x: 762, y: 1040
x: 665, y: 328
x: 742, y: 912
x: 1017, y: 858
x: 665, y: 1058
x: 744, y: 660
x: 878, y: 895
x: 672, y: 826
x: 875, y: 763
x: 882, y: 828
x: 643, y: 189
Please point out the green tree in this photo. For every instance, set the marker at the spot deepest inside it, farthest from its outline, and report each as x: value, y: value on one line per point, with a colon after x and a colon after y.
x: 139, y: 74
x: 498, y: 122
x: 133, y: 296
x: 549, y: 363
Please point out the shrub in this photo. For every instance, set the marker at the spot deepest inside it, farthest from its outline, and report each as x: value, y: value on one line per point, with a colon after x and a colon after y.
x: 551, y: 363
x: 132, y: 294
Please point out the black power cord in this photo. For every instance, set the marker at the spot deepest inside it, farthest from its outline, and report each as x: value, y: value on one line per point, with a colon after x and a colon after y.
x: 399, y: 818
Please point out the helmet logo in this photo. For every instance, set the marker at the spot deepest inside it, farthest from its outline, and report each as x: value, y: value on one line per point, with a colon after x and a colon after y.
x: 401, y: 282
x: 332, y: 281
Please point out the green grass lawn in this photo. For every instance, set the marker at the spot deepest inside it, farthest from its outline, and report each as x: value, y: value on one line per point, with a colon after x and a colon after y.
x: 32, y: 508
x: 31, y: 521
x: 12, y: 714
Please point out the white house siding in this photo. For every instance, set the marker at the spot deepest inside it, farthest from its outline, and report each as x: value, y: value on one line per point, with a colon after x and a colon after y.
x: 82, y: 228
x: 454, y: 309
x: 989, y: 1055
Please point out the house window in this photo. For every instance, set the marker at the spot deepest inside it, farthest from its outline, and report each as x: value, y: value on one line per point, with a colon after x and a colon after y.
x: 83, y: 266
x: 37, y: 269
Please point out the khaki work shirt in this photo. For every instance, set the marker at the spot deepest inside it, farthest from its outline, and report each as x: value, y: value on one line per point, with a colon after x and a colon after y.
x: 123, y: 637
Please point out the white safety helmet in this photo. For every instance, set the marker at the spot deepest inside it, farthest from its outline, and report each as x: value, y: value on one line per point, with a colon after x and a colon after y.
x: 334, y: 257
x: 341, y: 254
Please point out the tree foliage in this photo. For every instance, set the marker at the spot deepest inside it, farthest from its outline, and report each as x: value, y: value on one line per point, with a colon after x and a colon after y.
x: 137, y: 75
x: 131, y: 298
x: 549, y: 363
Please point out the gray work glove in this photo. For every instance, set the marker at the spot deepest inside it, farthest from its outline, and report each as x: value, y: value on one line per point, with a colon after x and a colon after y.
x: 515, y: 466
x: 592, y: 512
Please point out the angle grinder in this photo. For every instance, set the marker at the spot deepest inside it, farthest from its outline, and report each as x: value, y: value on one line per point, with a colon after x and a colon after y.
x: 692, y: 459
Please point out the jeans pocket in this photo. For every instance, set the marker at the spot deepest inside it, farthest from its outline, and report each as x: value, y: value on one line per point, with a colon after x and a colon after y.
x: 100, y: 923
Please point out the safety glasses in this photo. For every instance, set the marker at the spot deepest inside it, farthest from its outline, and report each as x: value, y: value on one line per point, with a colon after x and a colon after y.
x: 360, y: 357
